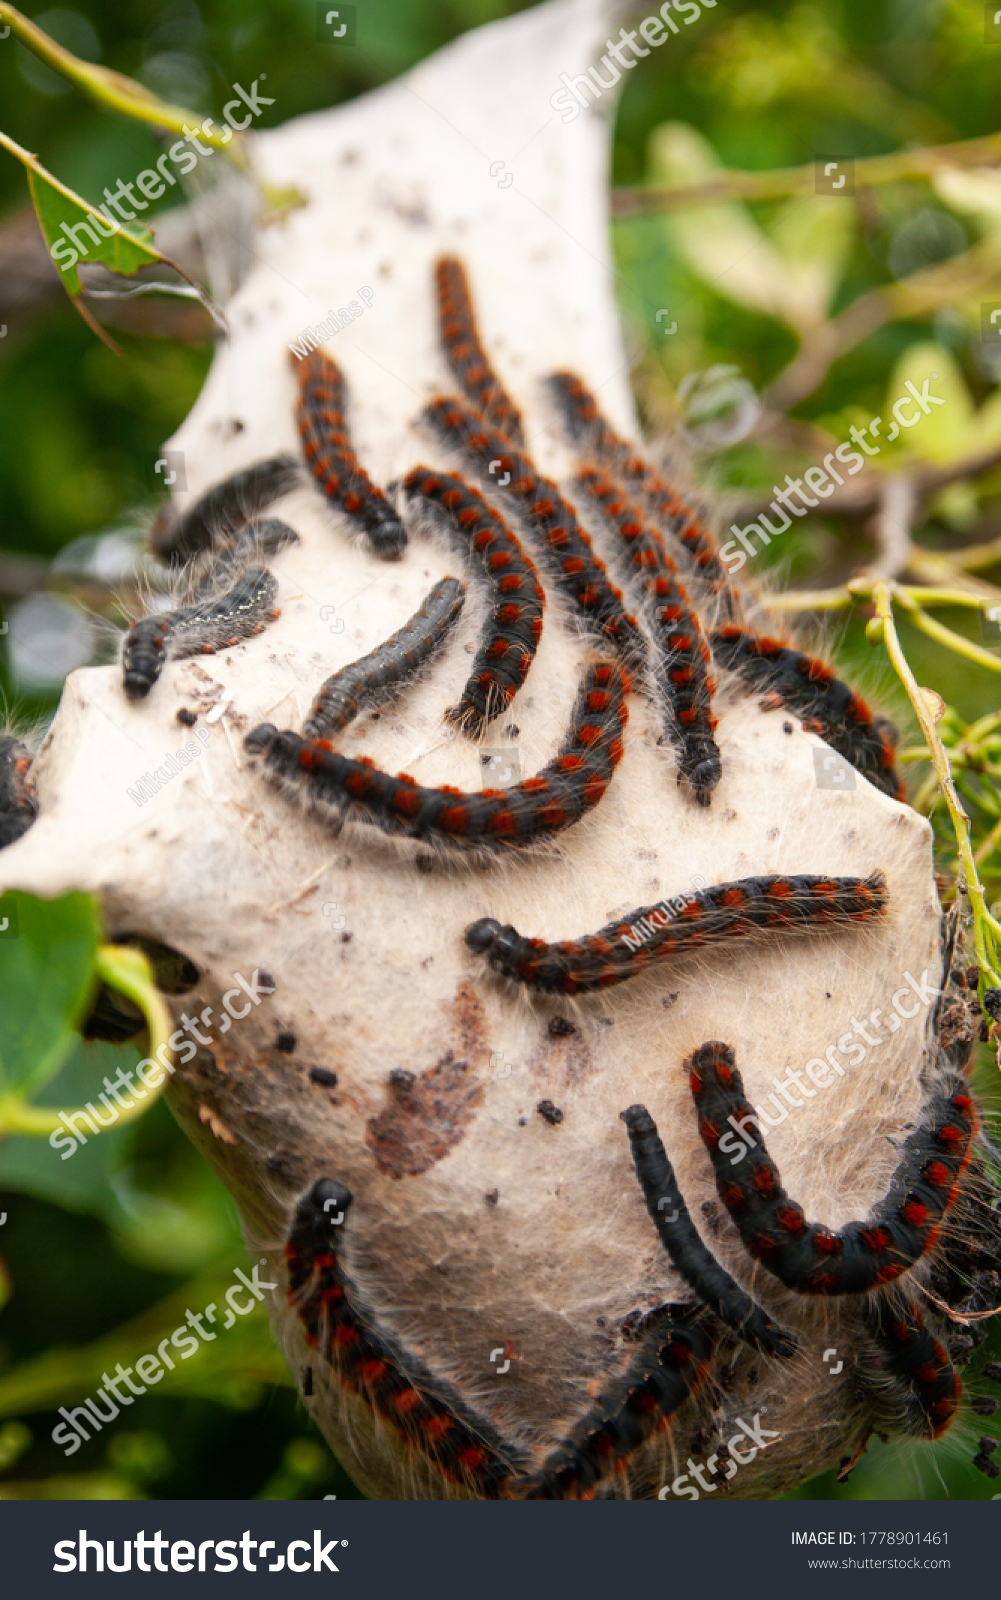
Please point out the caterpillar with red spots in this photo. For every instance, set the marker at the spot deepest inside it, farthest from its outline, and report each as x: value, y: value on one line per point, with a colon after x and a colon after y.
x: 17, y: 809
x: 207, y: 626
x: 910, y: 1353
x: 595, y: 438
x: 805, y: 1256
x: 331, y: 458
x: 681, y: 1239
x: 568, y: 787
x: 220, y: 513
x: 426, y: 1411
x: 628, y: 946
x: 656, y: 1385
x: 363, y: 683
x: 684, y: 665
x: 578, y: 571
x: 465, y: 353
x: 827, y: 706
x: 514, y: 627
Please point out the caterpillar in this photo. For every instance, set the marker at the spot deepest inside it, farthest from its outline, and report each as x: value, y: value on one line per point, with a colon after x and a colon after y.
x: 681, y: 1239
x: 343, y: 695
x: 17, y: 809
x: 628, y: 946
x: 224, y: 509
x: 465, y: 354
x: 330, y: 455
x: 911, y: 1354
x: 685, y: 660
x: 595, y: 438
x: 207, y: 626
x: 427, y: 1412
x: 658, y: 1382
x: 805, y: 1256
x: 578, y: 571
x: 827, y: 706
x: 568, y: 787
x: 514, y: 628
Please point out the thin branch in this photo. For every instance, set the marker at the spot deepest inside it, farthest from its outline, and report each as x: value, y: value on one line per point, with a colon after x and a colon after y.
x: 914, y: 296
x: 985, y: 929
x: 898, y: 503
x: 784, y: 181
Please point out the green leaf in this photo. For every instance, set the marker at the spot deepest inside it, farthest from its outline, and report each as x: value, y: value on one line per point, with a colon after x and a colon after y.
x: 108, y: 242
x: 47, y: 959
x: 947, y: 432
x: 791, y: 272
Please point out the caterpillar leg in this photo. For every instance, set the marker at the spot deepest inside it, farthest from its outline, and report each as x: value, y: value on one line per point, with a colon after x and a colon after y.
x: 827, y: 706
x: 568, y: 787
x: 514, y: 626
x: 806, y: 1256
x: 676, y: 927
x: 220, y: 513
x: 330, y: 455
x: 683, y: 1243
x: 465, y: 353
x: 366, y: 682
x: 427, y: 1412
x: 17, y: 809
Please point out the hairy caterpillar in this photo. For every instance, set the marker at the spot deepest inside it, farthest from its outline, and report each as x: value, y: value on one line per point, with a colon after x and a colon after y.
x: 810, y: 688
x: 806, y: 1256
x: 514, y: 628
x: 684, y: 665
x: 563, y: 791
x: 221, y: 512
x: 330, y: 455
x: 465, y: 354
x: 363, y: 683
x: 624, y: 948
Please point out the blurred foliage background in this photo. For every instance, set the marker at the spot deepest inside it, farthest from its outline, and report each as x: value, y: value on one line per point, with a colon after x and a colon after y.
x: 102, y: 1254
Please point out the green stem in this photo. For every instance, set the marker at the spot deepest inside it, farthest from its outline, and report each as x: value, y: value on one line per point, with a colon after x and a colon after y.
x: 111, y: 89
x: 127, y: 971
x: 985, y: 928
x: 784, y: 181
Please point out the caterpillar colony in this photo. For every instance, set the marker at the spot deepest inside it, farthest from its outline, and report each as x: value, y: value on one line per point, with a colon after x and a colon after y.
x: 622, y: 557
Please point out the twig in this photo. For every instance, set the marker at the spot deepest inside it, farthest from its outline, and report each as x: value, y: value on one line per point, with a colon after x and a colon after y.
x: 985, y: 929
x: 914, y: 296
x: 898, y: 502
x: 776, y: 185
